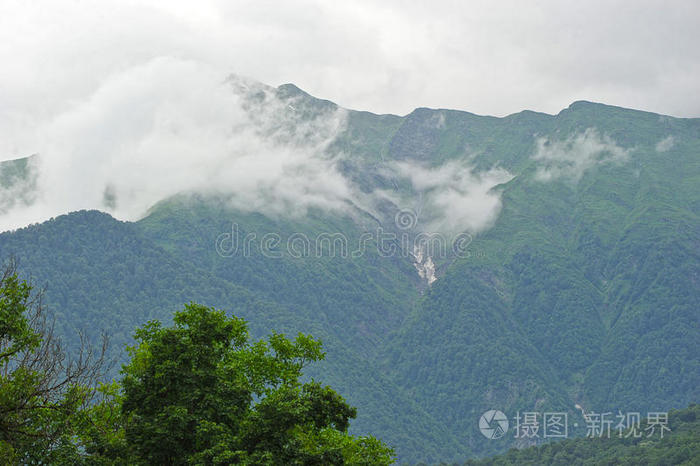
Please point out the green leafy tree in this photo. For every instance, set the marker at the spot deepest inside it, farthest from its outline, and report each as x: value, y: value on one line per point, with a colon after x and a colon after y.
x: 200, y: 393
x: 195, y: 393
x: 42, y: 392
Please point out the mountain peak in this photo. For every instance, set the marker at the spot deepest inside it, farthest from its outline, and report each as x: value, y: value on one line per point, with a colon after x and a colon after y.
x: 585, y: 105
x: 291, y: 90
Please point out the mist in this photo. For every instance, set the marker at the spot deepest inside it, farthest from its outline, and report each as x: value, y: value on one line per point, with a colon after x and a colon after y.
x: 172, y: 126
x: 452, y: 197
x: 571, y: 158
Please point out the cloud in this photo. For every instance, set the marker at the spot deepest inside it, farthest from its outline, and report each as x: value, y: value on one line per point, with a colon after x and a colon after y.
x: 125, y: 100
x: 665, y: 144
x: 171, y: 126
x: 452, y: 198
x: 488, y: 57
x: 571, y: 158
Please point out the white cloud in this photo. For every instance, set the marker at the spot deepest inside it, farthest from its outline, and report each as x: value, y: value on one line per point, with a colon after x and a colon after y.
x: 172, y: 126
x: 572, y: 157
x: 665, y: 144
x: 452, y: 197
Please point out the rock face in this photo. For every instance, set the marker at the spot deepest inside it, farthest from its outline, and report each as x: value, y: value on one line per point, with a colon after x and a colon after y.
x: 424, y: 265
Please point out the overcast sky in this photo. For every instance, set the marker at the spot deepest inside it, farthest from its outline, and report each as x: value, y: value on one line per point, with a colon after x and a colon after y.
x: 486, y: 57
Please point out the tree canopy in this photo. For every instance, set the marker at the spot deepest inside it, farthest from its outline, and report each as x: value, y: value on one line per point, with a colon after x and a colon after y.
x: 200, y: 393
x: 197, y: 392
x: 42, y: 391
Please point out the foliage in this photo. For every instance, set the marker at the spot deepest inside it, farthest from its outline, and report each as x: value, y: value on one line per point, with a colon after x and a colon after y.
x: 42, y: 393
x: 195, y: 393
x: 200, y: 393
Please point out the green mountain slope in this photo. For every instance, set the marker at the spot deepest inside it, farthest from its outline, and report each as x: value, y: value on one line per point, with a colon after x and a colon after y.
x: 18, y: 178
x: 585, y: 289
x: 105, y: 275
x: 583, y: 292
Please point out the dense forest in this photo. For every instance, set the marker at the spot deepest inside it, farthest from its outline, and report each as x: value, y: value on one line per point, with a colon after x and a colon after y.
x: 198, y: 392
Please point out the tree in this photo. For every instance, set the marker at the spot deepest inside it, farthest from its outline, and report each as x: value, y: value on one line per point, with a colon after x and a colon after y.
x: 42, y: 391
x: 200, y: 393
x: 195, y: 393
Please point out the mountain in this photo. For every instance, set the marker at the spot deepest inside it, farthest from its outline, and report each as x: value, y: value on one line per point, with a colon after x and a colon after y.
x: 528, y: 263
x: 18, y: 178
